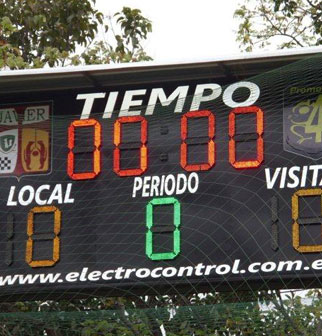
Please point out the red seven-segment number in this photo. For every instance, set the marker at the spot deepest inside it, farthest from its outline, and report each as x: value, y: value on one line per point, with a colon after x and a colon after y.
x: 143, y: 150
x: 96, y: 152
x: 184, y: 137
x: 253, y: 163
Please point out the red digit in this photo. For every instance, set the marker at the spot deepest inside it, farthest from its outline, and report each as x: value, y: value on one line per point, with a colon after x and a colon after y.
x: 96, y: 152
x: 211, y: 145
x: 252, y: 163
x: 143, y: 148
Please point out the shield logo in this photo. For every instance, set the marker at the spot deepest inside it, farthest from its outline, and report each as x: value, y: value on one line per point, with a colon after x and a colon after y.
x: 8, y: 151
x: 34, y: 150
x: 25, y: 139
x: 303, y: 122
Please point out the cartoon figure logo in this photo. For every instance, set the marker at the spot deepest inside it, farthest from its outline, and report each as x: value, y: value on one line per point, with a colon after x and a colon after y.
x: 25, y: 140
x: 303, y: 127
x: 34, y: 152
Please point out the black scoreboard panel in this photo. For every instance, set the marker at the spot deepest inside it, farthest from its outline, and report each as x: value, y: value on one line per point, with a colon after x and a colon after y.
x: 157, y: 186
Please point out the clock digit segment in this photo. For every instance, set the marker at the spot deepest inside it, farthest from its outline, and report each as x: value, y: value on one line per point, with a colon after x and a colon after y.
x: 97, y: 139
x: 33, y: 236
x: 305, y: 220
x: 143, y: 150
x: 252, y: 163
x: 210, y: 142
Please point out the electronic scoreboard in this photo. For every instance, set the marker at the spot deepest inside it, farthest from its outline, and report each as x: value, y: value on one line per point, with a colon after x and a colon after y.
x: 147, y: 179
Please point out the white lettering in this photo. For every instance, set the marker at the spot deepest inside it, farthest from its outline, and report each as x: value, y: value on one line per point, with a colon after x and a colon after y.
x: 293, y: 177
x: 271, y: 181
x: 128, y: 102
x: 181, y: 189
x: 146, y: 187
x: 151, y: 186
x: 155, y: 182
x: 315, y: 169
x: 154, y: 273
x: 10, y: 201
x: 194, y: 176
x: 110, y: 104
x: 67, y: 198
x: 254, y: 93
x: 180, y: 93
x: 304, y: 173
x: 199, y: 97
x: 169, y: 191
x: 37, y: 194
x: 137, y: 185
x: 57, y: 195
x: 89, y: 101
x: 28, y: 194
x: 283, y: 177
x: 26, y: 189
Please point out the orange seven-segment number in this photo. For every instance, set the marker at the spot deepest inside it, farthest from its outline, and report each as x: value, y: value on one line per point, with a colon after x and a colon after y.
x: 43, y: 237
x: 143, y: 152
x: 96, y: 151
x: 211, y: 144
x: 309, y: 220
x: 252, y: 163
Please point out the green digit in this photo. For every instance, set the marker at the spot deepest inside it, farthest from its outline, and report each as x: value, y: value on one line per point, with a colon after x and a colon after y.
x: 176, y: 232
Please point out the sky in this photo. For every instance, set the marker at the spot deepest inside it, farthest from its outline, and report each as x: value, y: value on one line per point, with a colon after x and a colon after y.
x: 191, y: 30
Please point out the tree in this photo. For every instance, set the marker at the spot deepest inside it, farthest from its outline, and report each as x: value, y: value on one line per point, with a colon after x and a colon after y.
x: 62, y: 32
x: 284, y: 23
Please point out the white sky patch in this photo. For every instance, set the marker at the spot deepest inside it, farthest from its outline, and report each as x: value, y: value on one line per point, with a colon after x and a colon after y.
x: 184, y: 30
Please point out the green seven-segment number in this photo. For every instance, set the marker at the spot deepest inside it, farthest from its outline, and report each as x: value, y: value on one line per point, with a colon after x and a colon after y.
x: 164, y: 228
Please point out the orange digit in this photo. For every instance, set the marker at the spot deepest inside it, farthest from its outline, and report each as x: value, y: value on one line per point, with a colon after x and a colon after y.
x: 296, y: 224
x: 96, y: 153
x: 210, y: 144
x: 143, y: 148
x: 32, y: 236
x: 252, y: 163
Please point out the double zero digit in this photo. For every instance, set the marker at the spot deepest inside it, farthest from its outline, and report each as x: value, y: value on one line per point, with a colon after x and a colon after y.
x: 32, y: 236
x: 96, y: 149
x: 143, y: 150
x: 253, y: 163
x: 210, y: 144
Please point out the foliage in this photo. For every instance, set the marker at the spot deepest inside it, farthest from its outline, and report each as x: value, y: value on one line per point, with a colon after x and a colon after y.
x: 9, y: 55
x: 211, y: 314
x: 314, y: 11
x: 285, y: 23
x: 68, y: 32
x: 47, y: 23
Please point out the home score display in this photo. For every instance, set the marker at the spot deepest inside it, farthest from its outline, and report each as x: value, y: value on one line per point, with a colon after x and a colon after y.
x: 161, y: 184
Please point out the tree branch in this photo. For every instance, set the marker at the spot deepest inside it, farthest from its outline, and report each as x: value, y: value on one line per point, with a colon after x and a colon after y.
x: 281, y: 308
x: 278, y: 29
x: 121, y: 307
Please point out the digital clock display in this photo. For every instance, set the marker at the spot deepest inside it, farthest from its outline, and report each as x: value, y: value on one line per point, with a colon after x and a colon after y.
x: 130, y: 188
